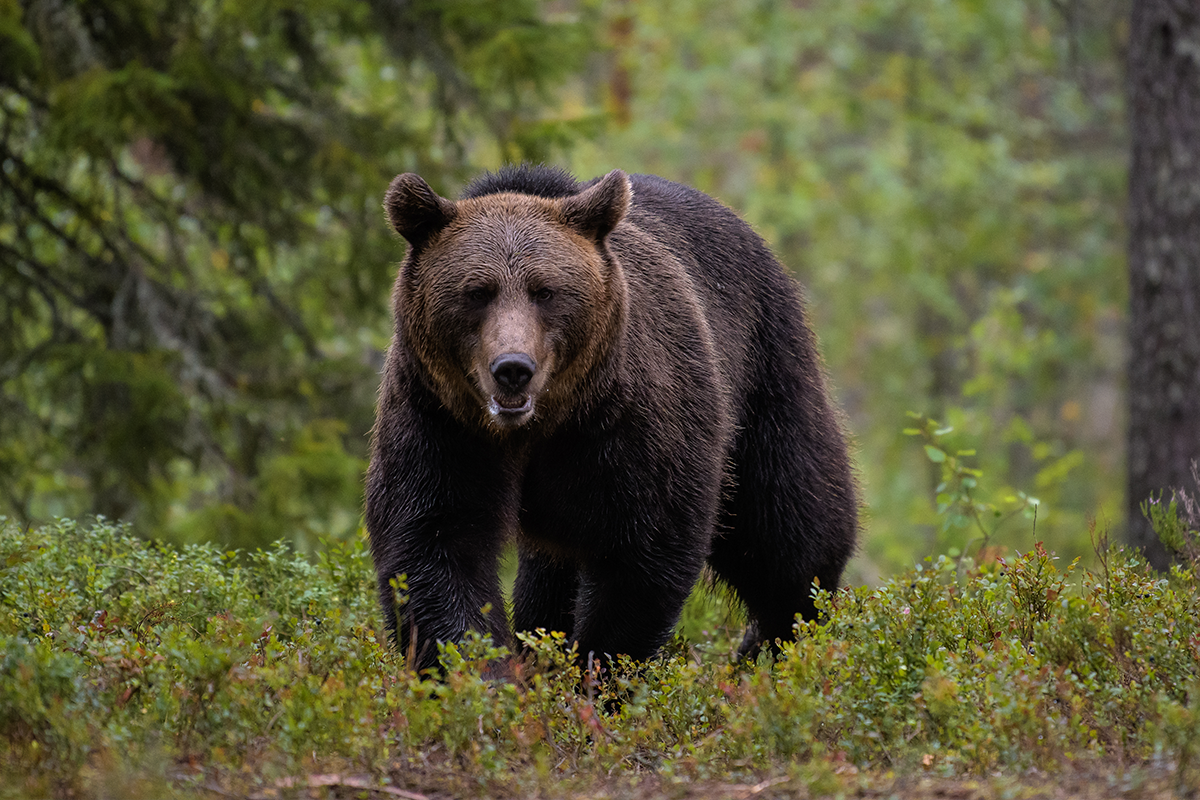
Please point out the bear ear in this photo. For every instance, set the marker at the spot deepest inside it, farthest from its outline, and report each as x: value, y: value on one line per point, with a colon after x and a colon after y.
x: 415, y: 210
x: 595, y: 211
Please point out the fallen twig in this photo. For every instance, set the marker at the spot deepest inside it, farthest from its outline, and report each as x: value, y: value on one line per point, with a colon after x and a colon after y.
x: 350, y: 782
x: 750, y: 791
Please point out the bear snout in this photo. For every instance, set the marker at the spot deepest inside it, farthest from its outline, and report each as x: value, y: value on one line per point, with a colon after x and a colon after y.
x: 512, y: 403
x: 512, y: 371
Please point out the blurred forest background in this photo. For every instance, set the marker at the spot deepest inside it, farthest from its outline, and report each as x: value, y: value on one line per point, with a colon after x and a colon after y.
x: 195, y: 268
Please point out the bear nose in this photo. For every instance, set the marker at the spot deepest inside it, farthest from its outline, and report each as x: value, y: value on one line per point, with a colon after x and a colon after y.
x: 512, y: 371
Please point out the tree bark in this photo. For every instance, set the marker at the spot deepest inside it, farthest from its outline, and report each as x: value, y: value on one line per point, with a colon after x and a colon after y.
x: 1163, y: 84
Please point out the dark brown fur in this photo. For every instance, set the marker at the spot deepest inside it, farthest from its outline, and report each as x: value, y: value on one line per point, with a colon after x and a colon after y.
x: 619, y: 375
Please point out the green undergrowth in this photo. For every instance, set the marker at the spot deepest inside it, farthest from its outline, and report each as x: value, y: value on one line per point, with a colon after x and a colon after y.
x: 132, y: 669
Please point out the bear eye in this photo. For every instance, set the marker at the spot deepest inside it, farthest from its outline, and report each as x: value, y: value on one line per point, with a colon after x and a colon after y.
x: 543, y: 294
x: 479, y: 294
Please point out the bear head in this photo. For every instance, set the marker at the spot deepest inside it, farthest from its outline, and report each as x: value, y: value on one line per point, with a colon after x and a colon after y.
x: 508, y: 300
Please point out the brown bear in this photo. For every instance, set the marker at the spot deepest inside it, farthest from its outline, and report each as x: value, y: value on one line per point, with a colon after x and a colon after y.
x: 618, y: 374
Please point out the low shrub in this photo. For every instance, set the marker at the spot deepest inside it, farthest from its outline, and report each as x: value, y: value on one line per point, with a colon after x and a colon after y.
x: 129, y: 668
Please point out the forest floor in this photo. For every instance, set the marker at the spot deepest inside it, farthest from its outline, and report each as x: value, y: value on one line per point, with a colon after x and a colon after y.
x: 1075, y: 782
x: 129, y: 669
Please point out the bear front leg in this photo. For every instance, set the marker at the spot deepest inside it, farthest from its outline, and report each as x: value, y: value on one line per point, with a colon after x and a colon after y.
x: 439, y: 499
x: 623, y: 610
x: 452, y: 586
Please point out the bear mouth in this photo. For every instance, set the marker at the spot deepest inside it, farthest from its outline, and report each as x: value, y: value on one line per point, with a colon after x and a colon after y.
x: 510, y: 409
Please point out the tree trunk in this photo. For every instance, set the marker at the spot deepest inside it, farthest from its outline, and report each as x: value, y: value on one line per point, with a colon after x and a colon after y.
x: 1164, y: 257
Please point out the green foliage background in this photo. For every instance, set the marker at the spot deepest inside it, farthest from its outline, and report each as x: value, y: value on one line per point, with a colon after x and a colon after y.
x: 195, y: 267
x: 194, y: 280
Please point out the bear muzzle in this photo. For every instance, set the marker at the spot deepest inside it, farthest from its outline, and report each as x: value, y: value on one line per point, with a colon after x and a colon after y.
x: 512, y: 403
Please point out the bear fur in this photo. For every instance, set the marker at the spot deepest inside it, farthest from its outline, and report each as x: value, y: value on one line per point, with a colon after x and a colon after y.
x: 617, y: 374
